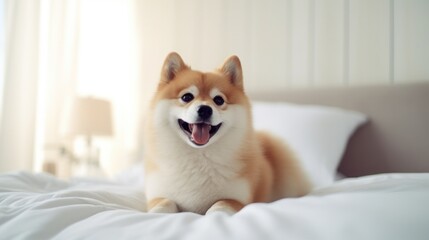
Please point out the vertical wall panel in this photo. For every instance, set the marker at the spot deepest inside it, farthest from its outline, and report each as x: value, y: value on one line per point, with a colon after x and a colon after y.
x: 187, y: 27
x: 237, y: 34
x: 155, y: 40
x: 329, y: 45
x: 212, y: 34
x: 411, y: 40
x: 301, y: 43
x: 369, y: 41
x: 268, y: 43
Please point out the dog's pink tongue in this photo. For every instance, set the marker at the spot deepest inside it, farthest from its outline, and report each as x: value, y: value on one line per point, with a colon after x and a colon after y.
x: 200, y: 133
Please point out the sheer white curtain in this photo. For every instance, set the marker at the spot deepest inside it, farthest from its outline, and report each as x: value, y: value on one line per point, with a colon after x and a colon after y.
x: 58, y: 64
x: 56, y: 49
x: 18, y: 110
x: 40, y: 69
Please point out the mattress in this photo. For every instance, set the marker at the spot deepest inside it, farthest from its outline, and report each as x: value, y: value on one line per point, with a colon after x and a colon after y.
x: 383, y: 206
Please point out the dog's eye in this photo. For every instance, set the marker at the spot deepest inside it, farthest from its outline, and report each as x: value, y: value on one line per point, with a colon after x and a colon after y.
x: 218, y: 100
x: 187, y: 97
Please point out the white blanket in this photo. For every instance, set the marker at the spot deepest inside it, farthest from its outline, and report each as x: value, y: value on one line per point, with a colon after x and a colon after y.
x: 386, y: 206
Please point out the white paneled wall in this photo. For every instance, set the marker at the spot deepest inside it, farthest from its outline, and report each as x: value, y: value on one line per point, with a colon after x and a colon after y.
x: 329, y: 42
x: 286, y: 43
x: 411, y: 40
x: 369, y: 41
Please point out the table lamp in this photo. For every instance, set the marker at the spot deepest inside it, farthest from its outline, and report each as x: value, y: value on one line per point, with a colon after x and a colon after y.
x: 88, y: 117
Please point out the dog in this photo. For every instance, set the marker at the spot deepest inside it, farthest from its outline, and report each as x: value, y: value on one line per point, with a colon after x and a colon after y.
x: 201, y: 152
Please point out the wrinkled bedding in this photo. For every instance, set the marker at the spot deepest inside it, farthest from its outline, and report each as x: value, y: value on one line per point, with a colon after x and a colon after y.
x: 385, y: 206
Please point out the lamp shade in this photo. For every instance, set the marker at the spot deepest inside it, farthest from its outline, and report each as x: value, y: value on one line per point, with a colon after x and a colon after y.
x: 87, y: 116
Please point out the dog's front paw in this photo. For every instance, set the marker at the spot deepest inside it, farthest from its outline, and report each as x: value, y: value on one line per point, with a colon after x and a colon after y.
x: 225, y: 209
x: 162, y: 205
x: 228, y: 206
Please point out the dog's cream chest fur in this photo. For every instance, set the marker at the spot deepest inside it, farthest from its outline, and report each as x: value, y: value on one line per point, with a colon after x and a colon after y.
x: 195, y: 181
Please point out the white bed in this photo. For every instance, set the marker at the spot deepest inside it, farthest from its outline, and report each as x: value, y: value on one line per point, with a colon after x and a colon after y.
x: 386, y: 206
x: 379, y: 205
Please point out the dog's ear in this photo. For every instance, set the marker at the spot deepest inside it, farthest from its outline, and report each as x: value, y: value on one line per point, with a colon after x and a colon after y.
x: 173, y: 64
x: 232, y: 69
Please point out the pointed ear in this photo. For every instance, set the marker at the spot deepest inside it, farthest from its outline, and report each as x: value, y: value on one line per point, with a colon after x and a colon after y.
x: 173, y: 64
x: 232, y: 68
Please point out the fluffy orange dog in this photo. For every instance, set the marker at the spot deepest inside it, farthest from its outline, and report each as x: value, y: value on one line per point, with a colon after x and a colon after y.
x: 202, y: 154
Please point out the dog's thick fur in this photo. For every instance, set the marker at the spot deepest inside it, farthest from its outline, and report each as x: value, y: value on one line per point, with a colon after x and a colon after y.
x: 203, y: 160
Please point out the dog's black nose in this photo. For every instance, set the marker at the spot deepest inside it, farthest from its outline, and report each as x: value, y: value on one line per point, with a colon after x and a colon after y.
x: 205, y: 112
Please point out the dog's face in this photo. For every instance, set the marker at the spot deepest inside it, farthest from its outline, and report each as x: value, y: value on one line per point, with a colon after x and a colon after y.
x: 199, y: 107
x: 200, y: 115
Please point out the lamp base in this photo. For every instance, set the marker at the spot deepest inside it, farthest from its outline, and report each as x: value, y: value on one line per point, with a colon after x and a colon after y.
x: 89, y: 164
x: 88, y: 170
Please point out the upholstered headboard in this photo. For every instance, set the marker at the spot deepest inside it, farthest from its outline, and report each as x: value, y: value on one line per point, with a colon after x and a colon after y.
x: 396, y: 138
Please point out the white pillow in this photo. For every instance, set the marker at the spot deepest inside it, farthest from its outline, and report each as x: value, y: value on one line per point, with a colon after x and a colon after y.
x: 317, y: 134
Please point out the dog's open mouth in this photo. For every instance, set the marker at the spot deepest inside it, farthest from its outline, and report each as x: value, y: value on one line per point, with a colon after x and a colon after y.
x: 199, y: 133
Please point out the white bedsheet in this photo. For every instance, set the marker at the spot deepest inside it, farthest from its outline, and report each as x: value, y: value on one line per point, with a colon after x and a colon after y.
x: 387, y: 206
